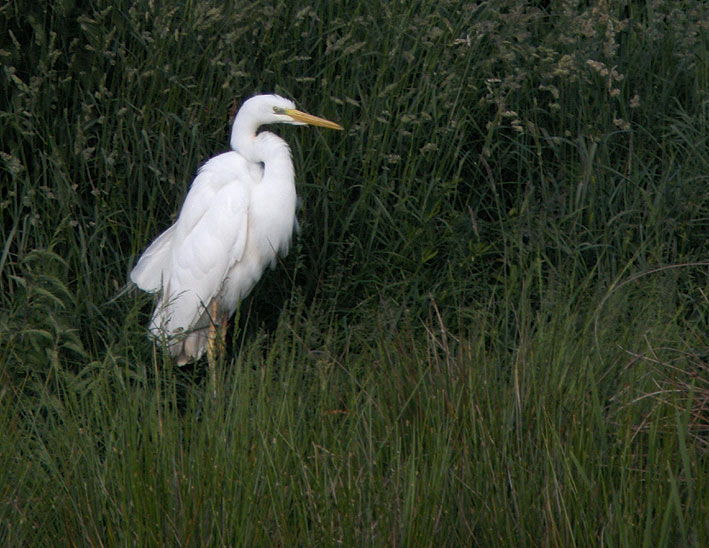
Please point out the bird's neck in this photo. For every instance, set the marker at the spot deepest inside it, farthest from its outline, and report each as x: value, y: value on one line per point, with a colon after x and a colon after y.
x: 272, y: 152
x: 243, y: 135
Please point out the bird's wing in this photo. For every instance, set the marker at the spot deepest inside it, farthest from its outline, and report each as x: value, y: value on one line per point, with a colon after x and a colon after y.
x: 210, y: 236
x: 149, y: 273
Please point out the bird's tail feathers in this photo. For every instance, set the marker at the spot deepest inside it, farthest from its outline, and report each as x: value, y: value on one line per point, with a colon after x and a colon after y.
x: 184, y: 345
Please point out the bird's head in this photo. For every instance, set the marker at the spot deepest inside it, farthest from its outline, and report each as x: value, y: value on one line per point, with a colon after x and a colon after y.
x: 274, y: 109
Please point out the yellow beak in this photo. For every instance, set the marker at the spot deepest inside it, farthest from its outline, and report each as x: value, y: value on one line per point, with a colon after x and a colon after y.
x: 306, y: 118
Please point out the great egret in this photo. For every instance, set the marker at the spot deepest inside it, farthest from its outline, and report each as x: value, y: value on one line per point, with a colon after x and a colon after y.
x: 238, y: 216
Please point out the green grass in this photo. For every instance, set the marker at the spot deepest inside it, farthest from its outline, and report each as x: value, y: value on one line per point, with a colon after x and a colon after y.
x: 492, y: 331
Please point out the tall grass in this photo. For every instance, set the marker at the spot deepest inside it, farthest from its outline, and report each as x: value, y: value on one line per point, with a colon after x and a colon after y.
x: 492, y: 330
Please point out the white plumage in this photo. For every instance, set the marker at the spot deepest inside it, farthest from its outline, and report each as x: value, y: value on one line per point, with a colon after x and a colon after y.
x: 237, y: 218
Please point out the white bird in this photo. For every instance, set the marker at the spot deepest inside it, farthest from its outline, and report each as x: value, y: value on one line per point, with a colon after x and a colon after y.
x: 237, y: 218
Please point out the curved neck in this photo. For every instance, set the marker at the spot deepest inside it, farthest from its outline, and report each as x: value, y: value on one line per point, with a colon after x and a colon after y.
x: 273, y: 152
x: 243, y: 134
x: 265, y: 148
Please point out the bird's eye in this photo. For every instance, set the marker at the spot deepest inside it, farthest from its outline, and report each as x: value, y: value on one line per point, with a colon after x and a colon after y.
x: 278, y: 110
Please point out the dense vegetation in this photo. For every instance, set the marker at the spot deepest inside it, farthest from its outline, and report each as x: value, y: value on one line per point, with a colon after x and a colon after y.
x: 493, y: 329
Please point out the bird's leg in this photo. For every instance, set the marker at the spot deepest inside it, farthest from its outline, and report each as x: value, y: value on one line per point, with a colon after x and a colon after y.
x: 212, y: 347
x: 223, y: 325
